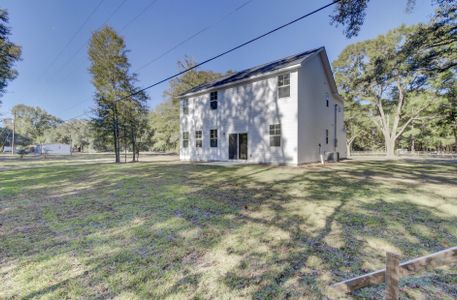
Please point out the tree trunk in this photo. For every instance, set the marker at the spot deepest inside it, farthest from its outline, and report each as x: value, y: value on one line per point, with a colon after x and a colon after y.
x: 124, y: 141
x: 117, y: 149
x: 132, y: 132
x: 116, y: 145
x: 455, y: 139
x: 390, y: 147
x: 348, y: 149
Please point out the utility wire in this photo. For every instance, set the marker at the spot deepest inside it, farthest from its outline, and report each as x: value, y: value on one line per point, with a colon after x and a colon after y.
x: 144, y: 10
x: 83, y: 45
x: 178, y: 44
x: 68, y: 61
x: 73, y: 37
x: 192, y: 36
x: 230, y: 50
x: 75, y: 117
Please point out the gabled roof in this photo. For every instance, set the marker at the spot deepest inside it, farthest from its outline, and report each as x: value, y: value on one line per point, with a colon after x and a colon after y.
x: 255, y: 71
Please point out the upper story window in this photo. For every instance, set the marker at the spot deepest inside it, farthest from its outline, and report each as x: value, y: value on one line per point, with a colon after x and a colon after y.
x: 327, y: 99
x: 213, y: 100
x: 198, y: 139
x: 283, y: 85
x: 185, y: 139
x: 213, y: 137
x: 275, y: 135
x: 185, y: 106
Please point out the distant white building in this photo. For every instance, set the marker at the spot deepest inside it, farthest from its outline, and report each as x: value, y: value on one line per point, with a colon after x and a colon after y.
x: 8, y: 148
x: 287, y: 111
x: 53, y: 149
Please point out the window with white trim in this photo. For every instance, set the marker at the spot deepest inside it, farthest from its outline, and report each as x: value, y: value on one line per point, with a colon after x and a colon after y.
x: 185, y: 139
x: 185, y: 106
x: 275, y: 135
x: 198, y: 139
x: 283, y: 85
x: 213, y: 138
x: 213, y: 100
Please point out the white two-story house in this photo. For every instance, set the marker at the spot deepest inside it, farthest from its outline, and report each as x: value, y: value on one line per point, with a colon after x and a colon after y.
x: 284, y: 112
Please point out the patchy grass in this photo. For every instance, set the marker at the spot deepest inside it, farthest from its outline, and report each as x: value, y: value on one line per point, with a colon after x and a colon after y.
x: 85, y: 228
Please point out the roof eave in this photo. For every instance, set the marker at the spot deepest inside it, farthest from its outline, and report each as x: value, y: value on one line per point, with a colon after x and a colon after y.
x: 242, y: 81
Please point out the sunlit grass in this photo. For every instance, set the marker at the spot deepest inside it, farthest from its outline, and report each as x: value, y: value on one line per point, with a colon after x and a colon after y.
x: 81, y: 227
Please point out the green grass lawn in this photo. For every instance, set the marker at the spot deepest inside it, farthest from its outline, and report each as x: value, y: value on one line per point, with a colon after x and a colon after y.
x: 86, y: 228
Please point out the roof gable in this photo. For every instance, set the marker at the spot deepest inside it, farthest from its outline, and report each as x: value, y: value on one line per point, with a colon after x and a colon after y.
x: 255, y: 71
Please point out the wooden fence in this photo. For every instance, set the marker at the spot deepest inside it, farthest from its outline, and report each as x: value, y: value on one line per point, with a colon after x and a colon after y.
x: 394, y: 270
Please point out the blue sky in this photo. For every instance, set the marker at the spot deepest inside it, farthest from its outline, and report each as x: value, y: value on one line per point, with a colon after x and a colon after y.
x: 61, y: 83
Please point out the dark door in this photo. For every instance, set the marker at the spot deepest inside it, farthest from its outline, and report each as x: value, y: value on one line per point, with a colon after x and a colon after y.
x: 243, y: 145
x: 233, y: 146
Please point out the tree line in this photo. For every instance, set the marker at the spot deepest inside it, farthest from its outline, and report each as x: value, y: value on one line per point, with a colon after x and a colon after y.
x: 399, y: 90
x: 400, y: 87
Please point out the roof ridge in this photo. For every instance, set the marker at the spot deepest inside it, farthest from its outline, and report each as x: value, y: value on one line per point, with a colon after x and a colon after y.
x: 253, y: 70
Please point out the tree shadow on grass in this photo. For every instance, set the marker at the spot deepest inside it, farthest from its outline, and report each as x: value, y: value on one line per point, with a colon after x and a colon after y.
x: 156, y: 230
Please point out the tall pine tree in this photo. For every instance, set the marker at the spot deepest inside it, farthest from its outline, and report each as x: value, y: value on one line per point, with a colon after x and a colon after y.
x: 118, y: 113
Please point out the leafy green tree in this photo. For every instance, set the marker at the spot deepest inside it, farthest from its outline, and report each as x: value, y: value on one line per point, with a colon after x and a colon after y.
x: 10, y: 53
x: 34, y: 122
x: 432, y: 47
x: 76, y: 133
x: 164, y: 119
x: 351, y: 13
x: 119, y: 104
x: 446, y: 83
x: 380, y: 75
x: 356, y: 121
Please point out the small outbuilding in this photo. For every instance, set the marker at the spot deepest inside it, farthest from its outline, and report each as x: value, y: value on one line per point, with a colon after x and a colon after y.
x: 53, y: 149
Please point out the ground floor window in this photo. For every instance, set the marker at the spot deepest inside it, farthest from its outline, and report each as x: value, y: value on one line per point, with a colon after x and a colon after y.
x: 213, y: 137
x: 326, y: 136
x: 198, y: 139
x: 185, y: 139
x: 275, y: 135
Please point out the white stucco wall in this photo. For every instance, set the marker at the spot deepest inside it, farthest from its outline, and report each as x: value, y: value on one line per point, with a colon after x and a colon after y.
x: 315, y: 116
x: 247, y: 108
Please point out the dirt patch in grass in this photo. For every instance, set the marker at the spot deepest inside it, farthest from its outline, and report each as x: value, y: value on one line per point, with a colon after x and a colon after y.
x: 165, y: 229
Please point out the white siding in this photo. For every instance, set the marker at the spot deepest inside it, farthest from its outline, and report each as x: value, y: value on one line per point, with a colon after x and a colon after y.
x: 248, y: 108
x: 315, y: 116
x: 251, y: 107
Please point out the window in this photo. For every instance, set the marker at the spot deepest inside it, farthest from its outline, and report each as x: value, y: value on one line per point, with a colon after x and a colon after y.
x: 326, y: 99
x: 185, y: 139
x: 213, y: 100
x: 213, y: 137
x: 198, y: 139
x: 185, y: 106
x: 326, y: 136
x: 283, y: 85
x: 275, y: 135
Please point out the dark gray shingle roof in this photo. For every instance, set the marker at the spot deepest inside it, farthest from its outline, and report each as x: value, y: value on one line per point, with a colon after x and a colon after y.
x: 255, y: 71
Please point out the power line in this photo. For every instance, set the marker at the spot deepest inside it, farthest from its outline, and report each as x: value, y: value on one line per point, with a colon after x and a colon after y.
x: 144, y: 10
x: 75, y: 117
x: 73, y: 37
x: 67, y: 62
x: 83, y: 45
x: 114, y: 12
x: 178, y: 44
x: 192, y: 36
x: 230, y: 50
